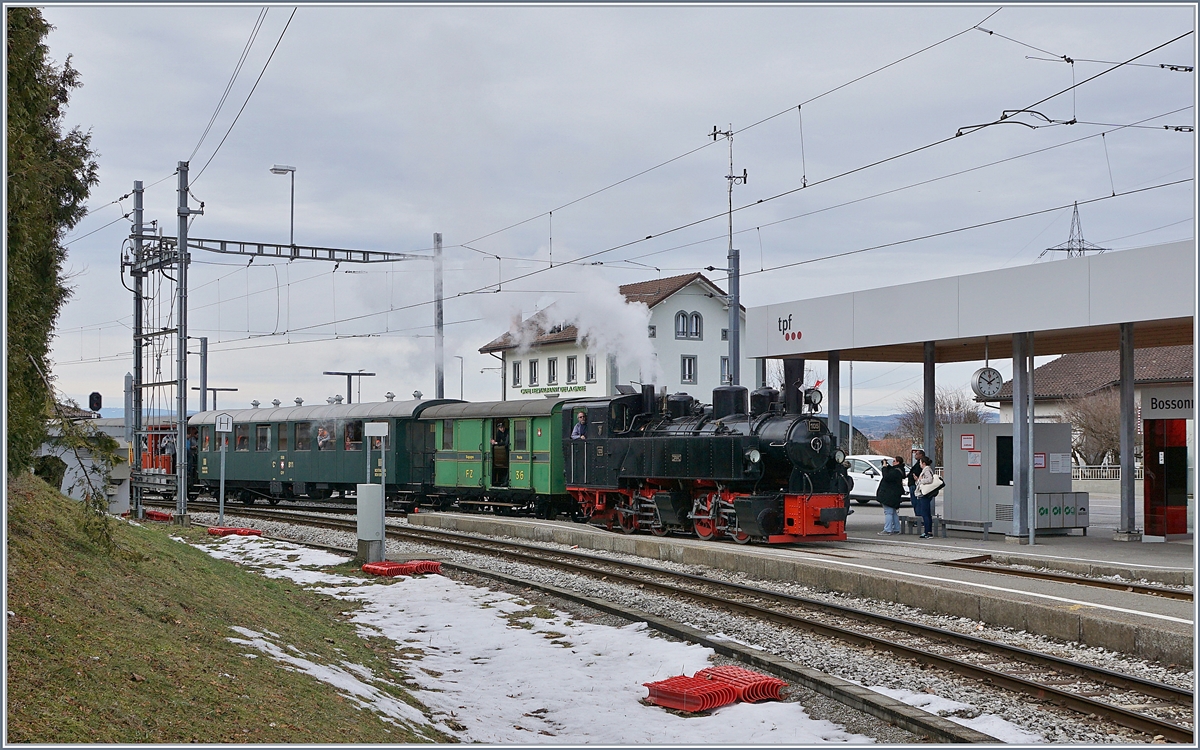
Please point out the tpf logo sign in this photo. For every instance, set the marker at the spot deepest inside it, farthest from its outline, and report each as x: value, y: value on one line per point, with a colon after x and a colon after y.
x: 785, y: 327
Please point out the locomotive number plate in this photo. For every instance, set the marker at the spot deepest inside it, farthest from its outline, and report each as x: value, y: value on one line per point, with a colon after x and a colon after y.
x: 599, y: 450
x: 677, y: 457
x: 814, y: 425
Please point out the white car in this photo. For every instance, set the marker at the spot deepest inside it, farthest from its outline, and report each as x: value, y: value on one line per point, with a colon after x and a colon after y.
x: 866, y: 472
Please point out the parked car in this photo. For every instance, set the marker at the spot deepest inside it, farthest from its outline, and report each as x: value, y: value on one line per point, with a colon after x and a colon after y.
x: 866, y: 471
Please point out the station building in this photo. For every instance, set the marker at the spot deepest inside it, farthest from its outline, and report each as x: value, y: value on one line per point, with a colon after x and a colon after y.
x: 688, y: 330
x: 1110, y: 302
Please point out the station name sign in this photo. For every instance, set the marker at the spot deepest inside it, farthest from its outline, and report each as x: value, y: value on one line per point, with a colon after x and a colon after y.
x: 1176, y: 402
x: 565, y: 389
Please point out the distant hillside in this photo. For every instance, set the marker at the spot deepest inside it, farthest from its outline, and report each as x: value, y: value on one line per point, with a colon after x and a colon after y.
x: 876, y: 428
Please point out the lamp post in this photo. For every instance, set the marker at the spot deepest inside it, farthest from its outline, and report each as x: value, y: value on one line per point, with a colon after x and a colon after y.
x: 285, y: 169
x: 460, y: 375
x: 349, y: 376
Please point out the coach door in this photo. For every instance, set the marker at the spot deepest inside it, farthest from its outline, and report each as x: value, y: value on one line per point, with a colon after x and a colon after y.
x: 469, y: 437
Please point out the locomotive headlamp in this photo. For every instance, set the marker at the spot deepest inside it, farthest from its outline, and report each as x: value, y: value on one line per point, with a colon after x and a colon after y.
x: 753, y: 456
x: 839, y: 456
x: 812, y: 397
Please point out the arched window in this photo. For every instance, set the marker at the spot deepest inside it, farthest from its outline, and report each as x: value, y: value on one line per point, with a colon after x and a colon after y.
x: 696, y: 326
x: 681, y: 325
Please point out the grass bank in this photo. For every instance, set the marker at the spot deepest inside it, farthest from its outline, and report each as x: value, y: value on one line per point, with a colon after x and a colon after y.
x: 131, y: 645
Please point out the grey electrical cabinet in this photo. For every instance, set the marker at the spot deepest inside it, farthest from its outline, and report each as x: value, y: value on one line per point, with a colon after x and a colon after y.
x: 978, y: 461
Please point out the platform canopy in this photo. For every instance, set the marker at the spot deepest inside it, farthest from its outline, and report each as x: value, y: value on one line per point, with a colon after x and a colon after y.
x: 1071, y: 305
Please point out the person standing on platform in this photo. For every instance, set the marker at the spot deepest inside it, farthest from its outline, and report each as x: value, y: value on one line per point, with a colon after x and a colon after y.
x: 913, y: 473
x: 890, y: 494
x: 928, y: 485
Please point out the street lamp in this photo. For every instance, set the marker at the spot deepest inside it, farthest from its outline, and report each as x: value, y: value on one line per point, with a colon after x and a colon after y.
x: 285, y: 169
x: 460, y: 376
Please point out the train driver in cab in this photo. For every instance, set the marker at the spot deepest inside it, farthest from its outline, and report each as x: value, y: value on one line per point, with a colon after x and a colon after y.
x: 579, y: 432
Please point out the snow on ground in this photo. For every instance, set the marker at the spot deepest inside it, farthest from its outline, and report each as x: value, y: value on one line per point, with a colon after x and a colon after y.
x: 989, y: 724
x: 494, y: 669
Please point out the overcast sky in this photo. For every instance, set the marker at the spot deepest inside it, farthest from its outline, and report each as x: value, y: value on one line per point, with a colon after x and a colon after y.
x: 405, y: 121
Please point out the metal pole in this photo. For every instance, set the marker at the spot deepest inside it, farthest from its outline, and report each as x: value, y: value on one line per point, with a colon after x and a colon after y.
x: 1032, y: 408
x: 181, y: 453
x: 138, y: 276
x: 292, y: 223
x: 930, y: 437
x: 850, y: 393
x: 461, y: 366
x: 1128, y: 523
x: 204, y: 374
x: 349, y: 389
x: 223, y: 437
x: 439, y: 364
x: 1020, y: 430
x: 735, y: 295
x: 833, y: 385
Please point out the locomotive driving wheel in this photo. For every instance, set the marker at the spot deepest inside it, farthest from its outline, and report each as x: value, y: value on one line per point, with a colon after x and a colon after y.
x: 627, y: 520
x: 706, y: 528
x: 741, y: 537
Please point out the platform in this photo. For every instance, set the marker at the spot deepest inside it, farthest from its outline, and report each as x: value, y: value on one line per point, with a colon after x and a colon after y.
x: 900, y: 569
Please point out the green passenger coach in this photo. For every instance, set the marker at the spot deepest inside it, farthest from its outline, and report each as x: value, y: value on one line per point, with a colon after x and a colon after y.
x: 474, y: 468
x: 314, y: 451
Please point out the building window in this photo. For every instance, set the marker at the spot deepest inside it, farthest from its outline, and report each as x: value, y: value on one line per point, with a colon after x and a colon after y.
x: 516, y: 379
x: 653, y: 330
x: 590, y: 364
x: 552, y: 371
x: 695, y: 326
x: 681, y: 325
x: 724, y: 370
x: 724, y: 334
x: 571, y: 370
x: 687, y: 369
x: 533, y: 373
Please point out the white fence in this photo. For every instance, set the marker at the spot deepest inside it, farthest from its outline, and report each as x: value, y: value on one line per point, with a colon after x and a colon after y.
x: 1102, y: 472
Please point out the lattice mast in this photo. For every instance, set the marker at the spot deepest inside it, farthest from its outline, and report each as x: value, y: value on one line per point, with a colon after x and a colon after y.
x: 1075, y: 246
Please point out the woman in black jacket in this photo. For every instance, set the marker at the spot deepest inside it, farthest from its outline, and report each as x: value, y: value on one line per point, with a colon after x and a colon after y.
x: 890, y: 494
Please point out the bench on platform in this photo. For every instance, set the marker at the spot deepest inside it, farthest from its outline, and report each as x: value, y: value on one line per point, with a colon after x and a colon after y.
x: 914, y: 525
x: 986, y: 526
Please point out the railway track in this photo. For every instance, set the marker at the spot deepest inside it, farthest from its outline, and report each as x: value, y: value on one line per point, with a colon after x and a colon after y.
x: 981, y: 563
x: 1154, y: 708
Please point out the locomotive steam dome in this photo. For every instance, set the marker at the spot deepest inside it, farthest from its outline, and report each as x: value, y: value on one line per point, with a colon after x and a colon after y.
x: 808, y: 445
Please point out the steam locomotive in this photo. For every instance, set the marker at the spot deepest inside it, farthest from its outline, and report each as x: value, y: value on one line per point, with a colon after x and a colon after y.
x: 719, y: 471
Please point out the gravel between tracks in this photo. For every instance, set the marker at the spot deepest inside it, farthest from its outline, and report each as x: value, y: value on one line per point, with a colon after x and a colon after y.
x: 849, y: 662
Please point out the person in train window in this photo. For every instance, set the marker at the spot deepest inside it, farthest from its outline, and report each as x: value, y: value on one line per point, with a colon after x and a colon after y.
x: 580, y: 430
x: 324, y: 440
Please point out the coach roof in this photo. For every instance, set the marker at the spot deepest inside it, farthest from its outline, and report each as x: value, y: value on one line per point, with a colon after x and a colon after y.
x: 317, y: 412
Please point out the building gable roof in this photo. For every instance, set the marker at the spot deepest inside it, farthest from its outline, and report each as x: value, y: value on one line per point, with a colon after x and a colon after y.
x: 1073, y: 375
x: 650, y: 293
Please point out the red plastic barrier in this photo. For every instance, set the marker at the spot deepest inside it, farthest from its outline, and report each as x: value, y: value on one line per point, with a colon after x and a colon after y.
x: 228, y: 530
x: 386, y: 568
x: 158, y: 515
x: 691, y: 693
x: 751, y: 686
x: 426, y: 566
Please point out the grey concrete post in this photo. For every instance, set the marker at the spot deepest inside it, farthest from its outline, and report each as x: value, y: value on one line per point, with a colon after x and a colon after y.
x: 833, y: 381
x: 181, y: 452
x: 1127, y: 531
x: 930, y: 438
x: 138, y: 276
x: 1031, y: 397
x: 760, y: 368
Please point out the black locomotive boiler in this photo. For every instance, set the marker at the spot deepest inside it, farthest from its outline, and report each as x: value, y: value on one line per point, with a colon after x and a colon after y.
x: 737, y: 470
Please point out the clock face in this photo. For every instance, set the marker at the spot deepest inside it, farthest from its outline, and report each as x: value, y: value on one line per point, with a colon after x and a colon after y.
x: 987, y: 382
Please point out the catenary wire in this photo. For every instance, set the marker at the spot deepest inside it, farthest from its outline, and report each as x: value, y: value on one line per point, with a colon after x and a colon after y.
x: 252, y: 90
x: 258, y: 22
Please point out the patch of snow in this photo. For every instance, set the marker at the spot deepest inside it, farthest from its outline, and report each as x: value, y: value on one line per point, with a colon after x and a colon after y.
x: 989, y: 724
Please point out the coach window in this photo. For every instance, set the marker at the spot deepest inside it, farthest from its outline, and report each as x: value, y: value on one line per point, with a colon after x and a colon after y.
x: 282, y: 443
x: 304, y: 436
x: 572, y: 370
x: 325, y: 436
x: 353, y: 435
x: 262, y: 438
x: 241, y: 435
x: 520, y: 441
x: 206, y: 439
x: 447, y: 434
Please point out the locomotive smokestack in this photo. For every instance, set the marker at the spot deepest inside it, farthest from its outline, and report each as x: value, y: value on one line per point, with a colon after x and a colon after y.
x: 649, y: 401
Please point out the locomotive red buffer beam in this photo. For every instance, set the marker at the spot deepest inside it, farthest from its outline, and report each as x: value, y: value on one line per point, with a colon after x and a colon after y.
x: 793, y: 518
